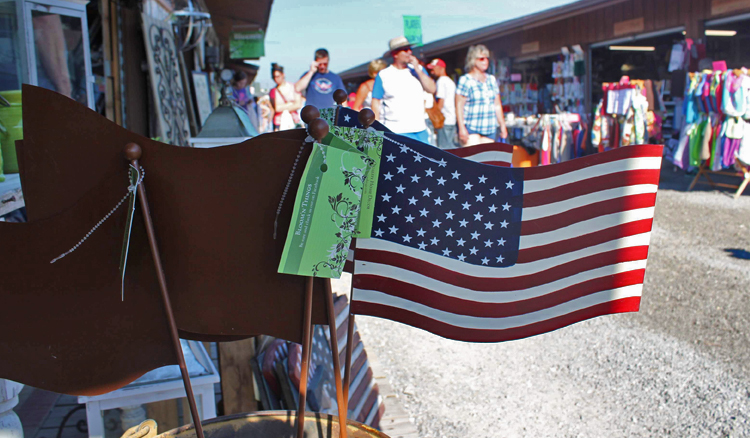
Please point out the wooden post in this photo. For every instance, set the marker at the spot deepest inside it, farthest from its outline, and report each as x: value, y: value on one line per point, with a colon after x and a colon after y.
x: 237, y: 390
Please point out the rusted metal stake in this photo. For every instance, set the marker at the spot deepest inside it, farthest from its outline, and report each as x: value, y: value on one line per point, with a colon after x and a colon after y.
x: 341, y: 400
x: 132, y: 154
x: 349, y: 347
x: 306, y: 347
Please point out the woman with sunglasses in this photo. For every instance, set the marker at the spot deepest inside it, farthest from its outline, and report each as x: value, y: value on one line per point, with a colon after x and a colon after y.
x: 478, y: 108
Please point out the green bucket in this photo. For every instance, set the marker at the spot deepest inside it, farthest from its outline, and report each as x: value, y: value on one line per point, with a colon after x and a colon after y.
x: 11, y: 119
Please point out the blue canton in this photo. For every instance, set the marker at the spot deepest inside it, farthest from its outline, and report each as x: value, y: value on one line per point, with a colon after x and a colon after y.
x: 436, y: 202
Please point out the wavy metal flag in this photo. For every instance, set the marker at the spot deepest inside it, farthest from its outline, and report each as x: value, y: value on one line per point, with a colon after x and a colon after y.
x: 486, y: 254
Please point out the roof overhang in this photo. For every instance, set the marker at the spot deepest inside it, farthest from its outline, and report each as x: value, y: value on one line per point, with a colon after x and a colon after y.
x: 229, y: 15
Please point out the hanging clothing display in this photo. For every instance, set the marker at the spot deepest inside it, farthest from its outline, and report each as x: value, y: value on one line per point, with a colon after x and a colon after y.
x: 624, y: 116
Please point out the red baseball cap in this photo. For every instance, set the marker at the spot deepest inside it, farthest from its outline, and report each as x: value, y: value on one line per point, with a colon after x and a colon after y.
x: 434, y: 62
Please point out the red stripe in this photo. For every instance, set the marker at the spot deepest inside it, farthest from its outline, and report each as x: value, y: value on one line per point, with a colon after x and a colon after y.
x: 630, y: 304
x: 497, y: 163
x: 542, y: 172
x: 501, y: 284
x: 461, y: 306
x: 586, y: 212
x: 349, y: 266
x: 591, y: 185
x: 369, y: 403
x: 587, y: 240
x: 478, y: 149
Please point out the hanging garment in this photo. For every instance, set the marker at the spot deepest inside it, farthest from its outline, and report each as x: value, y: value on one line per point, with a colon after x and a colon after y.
x: 596, y: 129
x: 743, y: 152
x: 640, y: 108
x: 679, y: 158
x: 705, y: 152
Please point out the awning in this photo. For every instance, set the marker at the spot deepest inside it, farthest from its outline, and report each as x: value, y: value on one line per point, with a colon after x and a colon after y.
x: 229, y: 15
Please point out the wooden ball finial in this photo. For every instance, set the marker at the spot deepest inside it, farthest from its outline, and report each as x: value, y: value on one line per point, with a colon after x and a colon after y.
x: 309, y: 113
x: 340, y: 96
x: 318, y: 129
x: 133, y: 152
x: 366, y: 117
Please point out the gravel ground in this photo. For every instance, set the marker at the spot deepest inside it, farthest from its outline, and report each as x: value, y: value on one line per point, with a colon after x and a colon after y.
x: 680, y: 367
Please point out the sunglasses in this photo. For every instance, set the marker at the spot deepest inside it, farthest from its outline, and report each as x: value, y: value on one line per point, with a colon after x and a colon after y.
x: 482, y: 58
x: 402, y: 49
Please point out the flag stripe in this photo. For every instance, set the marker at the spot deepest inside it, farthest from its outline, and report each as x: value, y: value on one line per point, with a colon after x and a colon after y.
x: 616, y: 155
x: 531, y: 213
x: 472, y: 335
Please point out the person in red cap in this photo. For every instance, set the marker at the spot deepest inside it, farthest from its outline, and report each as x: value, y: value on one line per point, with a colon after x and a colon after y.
x: 445, y: 100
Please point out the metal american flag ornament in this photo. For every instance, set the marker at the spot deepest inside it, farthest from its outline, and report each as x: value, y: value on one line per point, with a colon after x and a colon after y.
x: 483, y: 253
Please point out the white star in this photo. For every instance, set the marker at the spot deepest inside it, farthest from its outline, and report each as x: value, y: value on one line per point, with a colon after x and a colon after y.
x: 482, y: 179
x: 390, y: 157
x: 346, y: 117
x: 401, y: 169
x: 452, y: 195
x: 441, y: 181
x: 423, y: 212
x: 434, y: 241
x: 455, y: 175
x: 409, y: 218
x: 504, y: 224
x: 480, y: 197
x: 468, y: 186
x: 488, y: 225
x: 485, y: 261
x: 393, y: 229
x: 493, y: 191
x: 461, y: 258
x: 436, y: 223
x: 438, y: 201
x: 386, y: 197
x: 406, y: 238
x: 466, y: 205
x: 422, y: 246
x: 388, y: 176
x: 414, y: 178
x: 463, y: 222
x: 418, y: 158
x: 396, y: 209
x: 426, y: 192
x: 493, y: 208
x: 420, y: 232
x: 442, y: 163
x: 509, y: 185
x: 460, y: 242
x: 473, y: 251
x: 412, y: 201
x: 506, y: 207
x: 475, y: 236
x: 400, y: 188
x: 449, y: 215
x: 404, y: 149
x: 500, y: 259
x: 449, y: 232
x: 381, y: 218
x: 478, y: 216
x: 488, y: 243
x: 501, y: 242
x: 429, y: 172
x: 378, y: 233
x: 446, y: 252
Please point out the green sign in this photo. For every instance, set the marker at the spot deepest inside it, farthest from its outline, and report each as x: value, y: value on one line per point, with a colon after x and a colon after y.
x: 244, y: 45
x: 413, y: 29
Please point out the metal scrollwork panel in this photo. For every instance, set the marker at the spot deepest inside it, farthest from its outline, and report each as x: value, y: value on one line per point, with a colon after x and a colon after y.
x: 166, y: 82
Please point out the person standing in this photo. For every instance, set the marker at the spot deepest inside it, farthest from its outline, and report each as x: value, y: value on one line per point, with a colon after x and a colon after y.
x: 397, y: 94
x: 479, y: 110
x: 284, y: 99
x: 445, y: 101
x: 243, y: 95
x: 319, y: 83
x: 364, y: 92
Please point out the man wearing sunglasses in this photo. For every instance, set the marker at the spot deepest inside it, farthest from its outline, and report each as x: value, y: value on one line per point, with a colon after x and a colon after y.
x: 318, y: 84
x: 398, y: 92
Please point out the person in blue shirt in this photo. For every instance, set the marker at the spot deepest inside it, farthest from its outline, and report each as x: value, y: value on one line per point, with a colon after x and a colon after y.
x: 318, y: 84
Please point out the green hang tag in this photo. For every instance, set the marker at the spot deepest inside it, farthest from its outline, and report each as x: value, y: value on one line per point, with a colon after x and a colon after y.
x: 134, y: 175
x: 369, y: 142
x: 326, y: 210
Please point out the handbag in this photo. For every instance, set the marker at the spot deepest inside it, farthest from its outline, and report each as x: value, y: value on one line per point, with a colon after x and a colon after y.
x: 436, y: 117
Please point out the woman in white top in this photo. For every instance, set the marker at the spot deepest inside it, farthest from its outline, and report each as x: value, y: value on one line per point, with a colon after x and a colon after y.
x: 283, y: 98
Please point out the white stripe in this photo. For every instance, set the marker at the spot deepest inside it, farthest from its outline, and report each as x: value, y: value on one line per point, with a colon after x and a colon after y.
x: 641, y: 163
x: 516, y: 270
x: 588, y: 226
x: 350, y: 255
x: 492, y: 323
x: 374, y: 410
x: 531, y: 213
x: 483, y: 157
x: 494, y: 297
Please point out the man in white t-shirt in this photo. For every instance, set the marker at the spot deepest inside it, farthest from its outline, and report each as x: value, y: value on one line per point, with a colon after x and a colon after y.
x: 445, y: 100
x: 397, y: 98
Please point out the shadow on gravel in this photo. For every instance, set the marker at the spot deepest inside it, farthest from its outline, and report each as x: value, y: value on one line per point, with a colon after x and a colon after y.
x: 738, y: 253
x: 674, y: 178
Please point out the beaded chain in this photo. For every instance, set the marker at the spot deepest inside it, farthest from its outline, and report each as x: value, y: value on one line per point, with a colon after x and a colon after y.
x: 131, y: 190
x: 288, y: 183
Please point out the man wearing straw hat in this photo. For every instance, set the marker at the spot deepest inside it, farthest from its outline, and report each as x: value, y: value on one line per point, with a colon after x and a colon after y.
x: 397, y: 95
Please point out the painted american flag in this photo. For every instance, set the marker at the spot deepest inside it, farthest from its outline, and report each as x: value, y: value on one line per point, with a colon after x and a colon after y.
x: 516, y: 252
